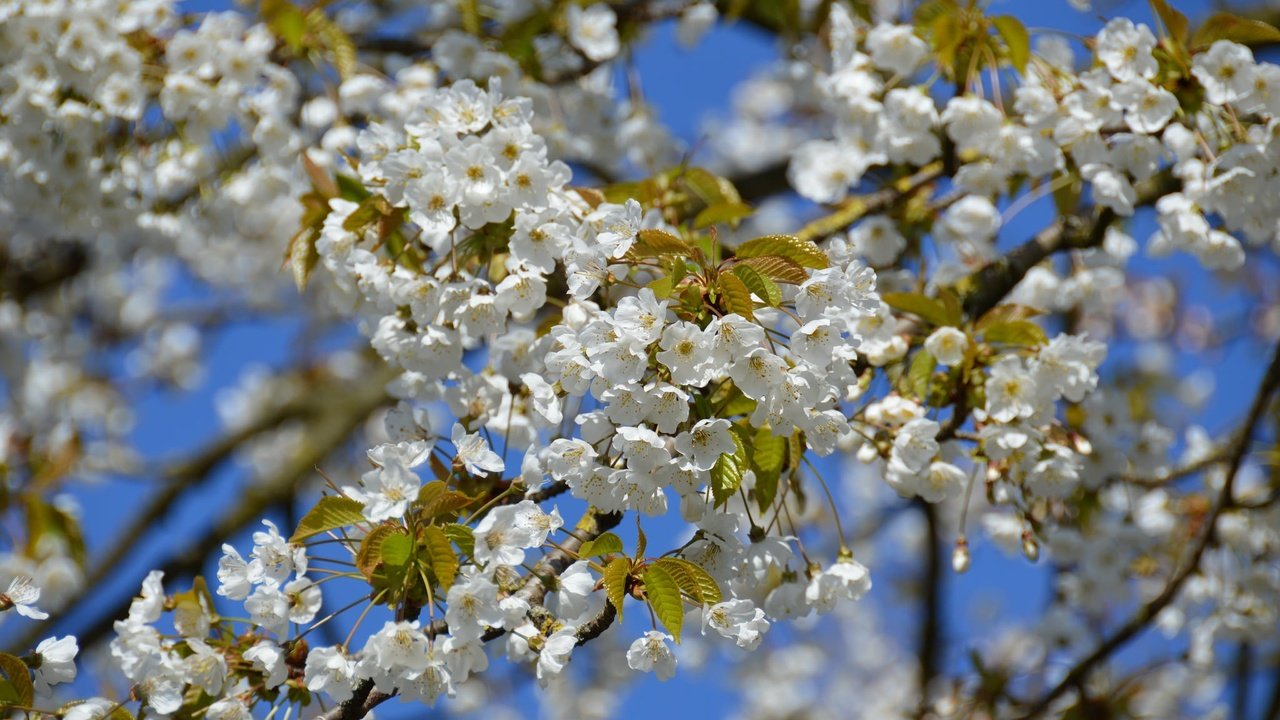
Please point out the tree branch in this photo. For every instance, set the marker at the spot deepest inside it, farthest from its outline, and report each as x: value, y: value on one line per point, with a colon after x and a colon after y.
x: 335, y: 416
x: 1148, y: 612
x: 931, y: 631
x: 533, y: 590
x: 986, y: 287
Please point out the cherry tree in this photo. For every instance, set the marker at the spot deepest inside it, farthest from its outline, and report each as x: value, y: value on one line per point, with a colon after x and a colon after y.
x: 572, y: 406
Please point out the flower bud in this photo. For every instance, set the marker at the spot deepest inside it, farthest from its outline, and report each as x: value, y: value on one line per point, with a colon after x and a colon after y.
x: 1030, y: 547
x: 960, y: 556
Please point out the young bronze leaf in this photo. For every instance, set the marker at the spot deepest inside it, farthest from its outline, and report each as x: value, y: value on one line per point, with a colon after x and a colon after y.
x: 735, y: 297
x: 445, y: 505
x: 439, y: 554
x: 370, y: 552
x: 776, y: 268
x: 1225, y: 26
x: 651, y: 241
x: 15, y: 686
x: 803, y: 252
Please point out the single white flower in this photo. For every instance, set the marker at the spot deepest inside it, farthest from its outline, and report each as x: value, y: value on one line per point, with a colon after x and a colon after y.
x: 652, y: 654
x: 475, y: 453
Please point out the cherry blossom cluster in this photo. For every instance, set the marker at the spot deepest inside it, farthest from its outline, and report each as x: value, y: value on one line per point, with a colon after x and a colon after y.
x: 555, y: 358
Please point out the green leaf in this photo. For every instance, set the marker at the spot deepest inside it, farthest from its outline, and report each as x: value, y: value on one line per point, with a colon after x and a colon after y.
x: 1066, y: 195
x: 921, y: 372
x: 652, y: 241
x: 768, y: 455
x: 730, y: 213
x: 16, y: 687
x: 930, y: 10
x: 708, y: 187
x: 947, y: 35
x: 393, y: 562
x: 663, y: 595
x: 777, y: 268
x: 734, y: 295
x: 1016, y: 332
x: 661, y: 287
x: 432, y: 490
x: 933, y: 310
x: 953, y: 305
x: 332, y: 512
x: 438, y: 552
x: 693, y: 580
x: 462, y: 536
x: 726, y: 478
x: 763, y: 287
x: 335, y: 40
x: 803, y: 252
x: 1226, y: 26
x: 351, y: 188
x: 605, y: 544
x: 396, y: 548
x: 615, y: 582
x: 1175, y: 23
x: 1016, y: 40
x: 287, y: 21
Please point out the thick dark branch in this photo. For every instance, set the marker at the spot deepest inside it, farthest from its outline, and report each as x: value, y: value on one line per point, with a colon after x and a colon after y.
x: 596, y: 627
x: 931, y: 631
x: 1272, y: 711
x: 178, y: 479
x: 362, y: 700
x: 1148, y: 612
x: 1240, y: 682
x: 986, y: 287
x: 55, y: 264
x: 335, y: 414
x: 759, y: 184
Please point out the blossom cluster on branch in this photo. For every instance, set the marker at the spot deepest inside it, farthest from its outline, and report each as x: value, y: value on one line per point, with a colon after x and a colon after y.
x: 571, y: 333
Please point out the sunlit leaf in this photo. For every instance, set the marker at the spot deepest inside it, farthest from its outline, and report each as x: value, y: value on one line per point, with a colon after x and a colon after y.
x: 693, y: 580
x: 331, y: 513
x: 615, y: 582
x: 16, y: 686
x: 1016, y: 40
x: 605, y: 544
x: 763, y: 287
x: 803, y: 252
x: 663, y: 595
